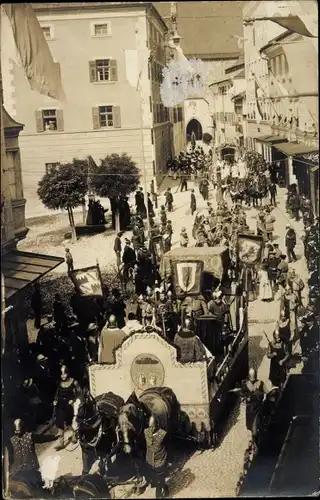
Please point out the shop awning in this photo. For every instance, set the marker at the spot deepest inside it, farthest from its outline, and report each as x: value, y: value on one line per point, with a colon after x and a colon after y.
x: 270, y: 138
x: 309, y: 159
x: 20, y: 269
x: 295, y: 148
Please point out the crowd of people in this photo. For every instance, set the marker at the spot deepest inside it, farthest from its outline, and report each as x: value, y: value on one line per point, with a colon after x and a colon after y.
x: 54, y: 368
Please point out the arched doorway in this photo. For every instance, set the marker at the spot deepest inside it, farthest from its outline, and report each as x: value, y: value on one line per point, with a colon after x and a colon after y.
x: 194, y: 126
x: 228, y: 154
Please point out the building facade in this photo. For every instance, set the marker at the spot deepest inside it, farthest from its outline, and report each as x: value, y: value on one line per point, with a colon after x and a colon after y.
x: 229, y: 110
x: 281, y: 70
x: 111, y: 73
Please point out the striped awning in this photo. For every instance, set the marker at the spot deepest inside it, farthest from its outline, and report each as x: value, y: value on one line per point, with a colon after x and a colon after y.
x: 20, y: 269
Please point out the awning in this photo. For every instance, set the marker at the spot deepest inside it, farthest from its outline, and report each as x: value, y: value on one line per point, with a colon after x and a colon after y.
x: 270, y: 138
x: 309, y: 159
x: 20, y: 269
x: 294, y: 148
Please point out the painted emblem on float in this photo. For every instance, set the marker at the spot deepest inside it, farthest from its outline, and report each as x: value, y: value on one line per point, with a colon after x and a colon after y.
x: 188, y: 277
x: 147, y: 371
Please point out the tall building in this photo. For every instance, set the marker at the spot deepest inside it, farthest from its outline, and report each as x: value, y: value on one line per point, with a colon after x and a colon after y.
x: 281, y: 68
x: 112, y: 92
x: 211, y: 32
x: 228, y: 94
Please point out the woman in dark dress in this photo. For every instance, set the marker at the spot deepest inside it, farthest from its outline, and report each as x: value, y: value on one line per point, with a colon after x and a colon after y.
x: 67, y: 394
x: 278, y: 353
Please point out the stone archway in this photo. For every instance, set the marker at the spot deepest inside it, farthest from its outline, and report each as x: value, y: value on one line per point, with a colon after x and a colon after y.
x: 228, y: 154
x: 196, y: 127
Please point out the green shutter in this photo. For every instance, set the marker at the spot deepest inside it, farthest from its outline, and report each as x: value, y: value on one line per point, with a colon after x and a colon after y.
x: 92, y: 71
x: 113, y: 70
x: 116, y: 116
x: 95, y: 118
x: 39, y: 121
x: 60, y: 124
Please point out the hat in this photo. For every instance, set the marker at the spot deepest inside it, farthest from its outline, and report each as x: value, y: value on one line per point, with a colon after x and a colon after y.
x: 92, y: 327
x: 276, y: 244
x: 218, y: 294
x: 288, y: 226
x: 127, y: 241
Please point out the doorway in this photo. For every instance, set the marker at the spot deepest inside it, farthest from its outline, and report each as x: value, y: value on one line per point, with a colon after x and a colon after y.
x: 194, y: 126
x: 228, y: 154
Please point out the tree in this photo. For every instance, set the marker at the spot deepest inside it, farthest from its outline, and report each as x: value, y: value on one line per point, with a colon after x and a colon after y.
x: 64, y: 188
x: 207, y: 138
x: 116, y: 177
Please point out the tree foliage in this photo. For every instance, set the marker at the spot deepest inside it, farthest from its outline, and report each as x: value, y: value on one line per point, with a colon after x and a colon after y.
x: 64, y: 186
x: 207, y: 138
x: 116, y: 176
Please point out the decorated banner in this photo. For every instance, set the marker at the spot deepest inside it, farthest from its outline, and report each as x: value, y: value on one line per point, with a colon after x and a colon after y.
x: 187, y: 277
x: 87, y: 280
x: 250, y: 249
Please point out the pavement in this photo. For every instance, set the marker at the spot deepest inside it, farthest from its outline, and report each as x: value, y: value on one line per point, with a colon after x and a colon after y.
x: 209, y: 473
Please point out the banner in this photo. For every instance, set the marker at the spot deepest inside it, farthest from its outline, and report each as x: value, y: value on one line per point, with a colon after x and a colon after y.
x: 250, y: 249
x: 87, y: 281
x: 187, y: 277
x: 34, y: 53
x: 291, y: 23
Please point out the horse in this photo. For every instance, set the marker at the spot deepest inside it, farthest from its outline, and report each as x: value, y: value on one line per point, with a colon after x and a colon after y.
x: 133, y: 419
x: 95, y: 421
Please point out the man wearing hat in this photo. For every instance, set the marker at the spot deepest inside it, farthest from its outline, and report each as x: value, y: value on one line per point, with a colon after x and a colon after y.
x: 117, y: 247
x: 290, y: 241
x: 128, y: 258
x: 193, y: 202
x: 309, y: 335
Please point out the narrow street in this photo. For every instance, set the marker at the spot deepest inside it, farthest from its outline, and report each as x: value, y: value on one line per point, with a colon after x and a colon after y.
x: 211, y: 473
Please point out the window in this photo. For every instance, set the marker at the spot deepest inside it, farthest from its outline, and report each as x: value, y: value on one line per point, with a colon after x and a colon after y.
x: 51, y: 166
x: 49, y: 120
x: 103, y: 70
x: 106, y: 116
x: 47, y: 31
x: 179, y: 114
x: 102, y: 29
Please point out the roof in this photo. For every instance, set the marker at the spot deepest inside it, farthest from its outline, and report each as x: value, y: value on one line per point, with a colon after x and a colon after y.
x: 215, y: 21
x: 78, y: 6
x: 295, y: 148
x: 240, y: 95
x: 9, y: 122
x: 20, y: 269
x: 271, y: 138
x: 278, y: 38
x: 239, y: 73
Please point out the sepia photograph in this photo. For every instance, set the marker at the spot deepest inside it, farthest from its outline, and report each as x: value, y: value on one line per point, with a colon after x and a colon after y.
x: 160, y: 284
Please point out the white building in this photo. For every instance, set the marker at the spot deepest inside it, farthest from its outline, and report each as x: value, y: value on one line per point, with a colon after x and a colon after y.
x: 281, y: 69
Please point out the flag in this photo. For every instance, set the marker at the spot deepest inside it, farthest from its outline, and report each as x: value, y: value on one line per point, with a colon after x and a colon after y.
x: 291, y: 23
x: 256, y: 87
x: 87, y: 280
x: 35, y: 56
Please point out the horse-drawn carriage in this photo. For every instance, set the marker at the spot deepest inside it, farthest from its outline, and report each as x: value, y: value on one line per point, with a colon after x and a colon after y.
x: 147, y: 365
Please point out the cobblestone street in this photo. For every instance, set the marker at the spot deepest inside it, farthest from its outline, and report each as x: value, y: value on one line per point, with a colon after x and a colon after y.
x: 212, y: 473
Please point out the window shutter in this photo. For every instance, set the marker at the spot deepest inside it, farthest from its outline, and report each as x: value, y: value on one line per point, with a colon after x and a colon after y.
x: 113, y: 71
x: 39, y: 121
x: 92, y: 71
x: 95, y: 118
x: 59, y: 114
x: 116, y: 116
